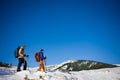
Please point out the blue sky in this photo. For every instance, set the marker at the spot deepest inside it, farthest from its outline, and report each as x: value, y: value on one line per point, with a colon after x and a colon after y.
x: 66, y: 29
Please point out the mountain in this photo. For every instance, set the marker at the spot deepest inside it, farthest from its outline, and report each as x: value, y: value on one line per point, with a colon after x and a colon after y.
x: 78, y: 65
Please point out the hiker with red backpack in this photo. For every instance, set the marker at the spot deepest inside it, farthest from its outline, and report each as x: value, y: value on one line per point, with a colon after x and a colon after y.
x: 40, y: 58
x: 19, y: 53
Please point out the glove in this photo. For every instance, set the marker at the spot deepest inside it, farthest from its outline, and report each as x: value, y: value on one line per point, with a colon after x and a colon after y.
x: 27, y: 55
x: 45, y: 57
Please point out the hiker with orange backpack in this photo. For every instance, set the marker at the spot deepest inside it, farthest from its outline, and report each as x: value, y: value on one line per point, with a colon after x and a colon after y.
x: 40, y: 58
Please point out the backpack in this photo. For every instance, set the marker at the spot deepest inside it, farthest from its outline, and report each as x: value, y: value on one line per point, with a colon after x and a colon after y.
x: 37, y: 56
x: 16, y: 53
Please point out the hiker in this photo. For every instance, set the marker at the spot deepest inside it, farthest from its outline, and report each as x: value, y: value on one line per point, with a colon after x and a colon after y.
x: 21, y: 59
x: 42, y: 57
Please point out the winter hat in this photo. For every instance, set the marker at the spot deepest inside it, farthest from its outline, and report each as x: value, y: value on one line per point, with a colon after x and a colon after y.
x: 23, y: 46
x: 42, y: 50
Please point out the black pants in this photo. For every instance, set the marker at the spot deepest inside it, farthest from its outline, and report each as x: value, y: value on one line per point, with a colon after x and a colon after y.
x: 20, y: 62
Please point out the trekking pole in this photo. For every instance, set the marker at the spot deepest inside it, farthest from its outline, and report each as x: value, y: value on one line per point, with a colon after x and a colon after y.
x: 27, y: 64
x: 45, y: 65
x: 45, y: 62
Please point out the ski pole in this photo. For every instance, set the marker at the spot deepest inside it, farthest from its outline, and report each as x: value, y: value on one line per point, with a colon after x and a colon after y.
x: 45, y: 62
x: 27, y: 63
x: 45, y: 65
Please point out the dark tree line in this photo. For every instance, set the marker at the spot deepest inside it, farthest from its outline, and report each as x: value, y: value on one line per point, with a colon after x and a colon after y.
x: 5, y: 64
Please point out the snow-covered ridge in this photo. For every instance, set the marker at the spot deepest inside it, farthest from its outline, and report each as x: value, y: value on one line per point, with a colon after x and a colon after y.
x: 117, y: 65
x: 54, y: 67
x: 77, y: 65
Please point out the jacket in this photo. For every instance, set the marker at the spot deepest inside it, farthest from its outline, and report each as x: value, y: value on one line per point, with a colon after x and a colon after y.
x: 42, y: 56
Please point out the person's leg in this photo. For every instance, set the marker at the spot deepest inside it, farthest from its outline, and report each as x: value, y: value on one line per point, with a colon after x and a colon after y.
x: 19, y: 64
x: 42, y: 65
x: 39, y: 68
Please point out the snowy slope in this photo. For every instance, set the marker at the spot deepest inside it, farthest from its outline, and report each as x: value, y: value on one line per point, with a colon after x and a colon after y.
x: 54, y: 67
x: 100, y: 74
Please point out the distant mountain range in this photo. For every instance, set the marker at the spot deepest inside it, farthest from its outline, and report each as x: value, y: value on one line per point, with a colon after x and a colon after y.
x: 78, y: 65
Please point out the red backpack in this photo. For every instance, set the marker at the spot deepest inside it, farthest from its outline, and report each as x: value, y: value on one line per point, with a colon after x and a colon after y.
x: 37, y: 56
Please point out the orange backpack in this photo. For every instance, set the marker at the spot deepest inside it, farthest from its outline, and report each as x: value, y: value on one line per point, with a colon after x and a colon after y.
x: 37, y: 56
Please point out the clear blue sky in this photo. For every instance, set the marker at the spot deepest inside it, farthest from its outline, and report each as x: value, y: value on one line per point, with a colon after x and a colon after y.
x: 66, y: 29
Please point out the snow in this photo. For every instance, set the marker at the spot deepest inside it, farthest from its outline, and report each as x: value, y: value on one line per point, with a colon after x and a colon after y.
x: 59, y: 65
x: 32, y: 74
x: 94, y: 63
